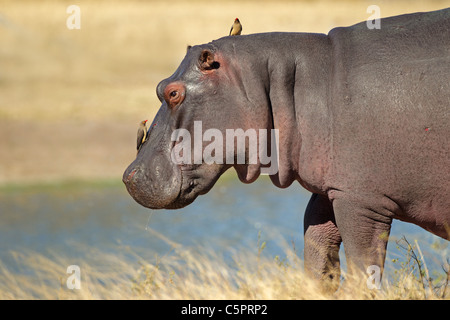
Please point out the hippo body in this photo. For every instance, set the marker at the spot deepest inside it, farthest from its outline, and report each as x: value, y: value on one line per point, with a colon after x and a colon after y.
x: 364, y: 124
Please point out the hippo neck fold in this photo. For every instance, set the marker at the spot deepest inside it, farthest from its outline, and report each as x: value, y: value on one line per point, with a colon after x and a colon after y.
x: 290, y: 78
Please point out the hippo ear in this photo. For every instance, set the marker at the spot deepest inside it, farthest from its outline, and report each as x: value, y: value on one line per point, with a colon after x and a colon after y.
x: 207, y: 60
x: 188, y: 48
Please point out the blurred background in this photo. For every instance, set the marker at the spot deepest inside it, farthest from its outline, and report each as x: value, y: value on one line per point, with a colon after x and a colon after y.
x: 70, y: 105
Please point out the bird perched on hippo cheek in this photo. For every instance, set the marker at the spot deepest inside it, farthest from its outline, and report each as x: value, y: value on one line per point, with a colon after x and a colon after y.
x: 236, y: 28
x: 141, y: 134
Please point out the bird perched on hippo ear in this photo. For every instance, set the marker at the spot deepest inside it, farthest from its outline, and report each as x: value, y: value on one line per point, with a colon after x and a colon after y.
x: 141, y: 134
x: 236, y: 28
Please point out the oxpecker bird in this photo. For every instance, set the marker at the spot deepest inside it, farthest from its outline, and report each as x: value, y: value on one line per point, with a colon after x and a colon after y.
x: 141, y: 134
x: 236, y: 28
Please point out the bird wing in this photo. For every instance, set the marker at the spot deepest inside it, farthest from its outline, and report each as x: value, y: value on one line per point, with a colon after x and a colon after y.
x: 231, y: 29
x: 140, y: 137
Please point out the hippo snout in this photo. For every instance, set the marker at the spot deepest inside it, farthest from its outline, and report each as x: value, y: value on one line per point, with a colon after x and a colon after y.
x: 157, y: 187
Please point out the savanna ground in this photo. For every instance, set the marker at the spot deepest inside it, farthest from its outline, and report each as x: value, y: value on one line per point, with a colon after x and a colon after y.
x: 70, y: 102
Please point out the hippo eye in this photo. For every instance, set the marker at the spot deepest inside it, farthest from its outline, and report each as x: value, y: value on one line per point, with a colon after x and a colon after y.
x: 174, y: 98
x: 174, y: 94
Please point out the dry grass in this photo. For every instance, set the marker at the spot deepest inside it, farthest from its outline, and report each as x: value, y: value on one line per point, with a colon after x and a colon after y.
x: 194, y: 274
x: 105, y: 74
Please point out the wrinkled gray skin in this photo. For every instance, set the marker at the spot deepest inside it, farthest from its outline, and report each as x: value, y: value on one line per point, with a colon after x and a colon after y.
x: 364, y: 123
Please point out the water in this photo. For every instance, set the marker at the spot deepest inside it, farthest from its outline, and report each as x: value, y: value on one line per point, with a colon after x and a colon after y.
x: 67, y: 221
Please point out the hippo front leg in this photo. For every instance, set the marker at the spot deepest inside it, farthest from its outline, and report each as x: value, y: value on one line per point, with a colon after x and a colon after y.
x: 322, y: 242
x: 364, y: 223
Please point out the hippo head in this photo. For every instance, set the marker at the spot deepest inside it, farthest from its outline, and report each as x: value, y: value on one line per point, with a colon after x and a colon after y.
x: 211, y: 101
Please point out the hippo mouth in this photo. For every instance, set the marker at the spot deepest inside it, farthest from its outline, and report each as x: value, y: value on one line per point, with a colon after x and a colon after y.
x: 196, y: 180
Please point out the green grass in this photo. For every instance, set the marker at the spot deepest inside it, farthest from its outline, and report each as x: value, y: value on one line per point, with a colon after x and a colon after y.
x: 80, y: 183
x: 60, y: 185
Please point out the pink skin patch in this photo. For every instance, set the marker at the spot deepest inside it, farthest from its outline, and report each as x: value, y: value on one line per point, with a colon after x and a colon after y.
x: 131, y: 175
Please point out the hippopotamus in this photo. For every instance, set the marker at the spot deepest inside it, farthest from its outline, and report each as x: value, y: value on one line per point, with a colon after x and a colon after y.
x: 363, y: 123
